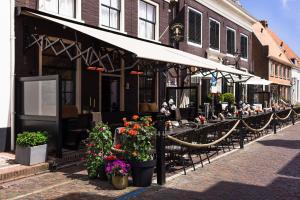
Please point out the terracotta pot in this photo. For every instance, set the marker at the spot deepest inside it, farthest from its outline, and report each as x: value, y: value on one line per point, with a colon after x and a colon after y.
x: 120, y: 182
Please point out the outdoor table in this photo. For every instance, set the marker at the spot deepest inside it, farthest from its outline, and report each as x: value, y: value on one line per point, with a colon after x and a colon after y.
x: 177, y: 130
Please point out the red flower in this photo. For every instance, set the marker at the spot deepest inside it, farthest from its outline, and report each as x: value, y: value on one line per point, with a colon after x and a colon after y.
x: 122, y: 130
x: 118, y: 146
x: 136, y: 126
x: 126, y: 124
x: 132, y: 132
x: 89, y: 152
x: 135, y: 117
x: 110, y: 158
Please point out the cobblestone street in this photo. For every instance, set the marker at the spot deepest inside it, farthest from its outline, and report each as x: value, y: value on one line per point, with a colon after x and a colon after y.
x: 266, y: 169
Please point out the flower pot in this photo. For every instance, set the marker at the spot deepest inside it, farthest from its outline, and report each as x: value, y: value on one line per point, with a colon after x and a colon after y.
x: 31, y: 155
x: 120, y: 182
x: 142, y: 172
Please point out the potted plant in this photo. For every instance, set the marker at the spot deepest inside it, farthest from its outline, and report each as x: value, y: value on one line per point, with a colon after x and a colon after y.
x: 98, y: 145
x: 138, y: 136
x: 118, y: 170
x: 229, y: 98
x: 31, y: 147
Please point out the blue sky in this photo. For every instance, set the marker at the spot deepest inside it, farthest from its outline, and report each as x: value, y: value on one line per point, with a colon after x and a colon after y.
x: 283, y: 17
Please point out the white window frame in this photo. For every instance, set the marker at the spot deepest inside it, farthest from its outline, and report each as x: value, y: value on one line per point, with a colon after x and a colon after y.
x: 188, y: 15
x: 228, y: 28
x: 212, y: 19
x: 122, y: 18
x: 77, y: 11
x: 156, y: 36
x: 242, y: 34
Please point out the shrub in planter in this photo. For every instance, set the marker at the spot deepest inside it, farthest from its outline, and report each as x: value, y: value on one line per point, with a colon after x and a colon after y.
x: 118, y: 170
x: 31, y: 147
x: 138, y: 136
x: 98, y: 145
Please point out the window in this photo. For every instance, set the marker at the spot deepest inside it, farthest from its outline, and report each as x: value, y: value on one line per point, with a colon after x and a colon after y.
x: 110, y: 13
x: 194, y: 26
x: 276, y: 70
x: 214, y: 34
x: 244, y: 46
x: 230, y: 41
x: 60, y: 7
x: 147, y: 20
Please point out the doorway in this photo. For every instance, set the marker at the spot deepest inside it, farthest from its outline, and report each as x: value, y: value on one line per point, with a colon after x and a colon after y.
x: 110, y: 94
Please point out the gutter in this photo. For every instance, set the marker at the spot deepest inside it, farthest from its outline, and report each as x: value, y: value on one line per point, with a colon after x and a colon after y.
x: 12, y: 75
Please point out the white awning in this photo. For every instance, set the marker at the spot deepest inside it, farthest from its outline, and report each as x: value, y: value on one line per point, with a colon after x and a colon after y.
x: 144, y: 49
x: 257, y: 81
x: 232, y: 78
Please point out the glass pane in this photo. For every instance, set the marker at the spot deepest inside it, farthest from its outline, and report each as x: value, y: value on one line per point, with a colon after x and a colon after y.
x: 51, y: 6
x: 143, y: 10
x: 67, y: 8
x: 40, y: 98
x: 151, y: 13
x: 116, y: 4
x: 150, y: 31
x: 114, y: 19
x: 105, y: 16
x: 105, y: 2
x: 142, y: 29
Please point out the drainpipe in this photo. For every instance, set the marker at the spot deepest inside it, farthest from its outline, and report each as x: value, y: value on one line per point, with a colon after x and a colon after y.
x: 12, y: 74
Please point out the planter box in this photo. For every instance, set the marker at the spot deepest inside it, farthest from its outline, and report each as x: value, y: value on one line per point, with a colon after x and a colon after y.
x: 31, y: 155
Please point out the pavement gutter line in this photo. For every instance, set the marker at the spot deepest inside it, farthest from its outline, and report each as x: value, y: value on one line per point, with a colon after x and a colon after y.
x: 41, y: 190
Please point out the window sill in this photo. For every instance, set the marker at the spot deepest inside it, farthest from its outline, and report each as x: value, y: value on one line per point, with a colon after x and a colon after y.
x: 229, y: 55
x: 215, y: 50
x: 194, y: 44
x: 151, y: 40
x: 114, y: 30
x: 66, y: 17
x: 244, y: 59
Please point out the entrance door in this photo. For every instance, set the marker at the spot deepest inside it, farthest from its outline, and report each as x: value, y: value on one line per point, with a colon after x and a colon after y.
x: 110, y: 94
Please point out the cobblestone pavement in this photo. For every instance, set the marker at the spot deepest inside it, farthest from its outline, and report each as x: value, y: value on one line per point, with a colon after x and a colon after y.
x: 265, y: 169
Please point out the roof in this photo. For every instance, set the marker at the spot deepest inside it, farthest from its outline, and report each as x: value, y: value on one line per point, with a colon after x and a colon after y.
x: 286, y: 49
x: 265, y: 38
x: 143, y: 49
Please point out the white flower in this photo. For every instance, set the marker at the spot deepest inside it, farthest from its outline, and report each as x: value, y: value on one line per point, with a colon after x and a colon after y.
x: 173, y: 107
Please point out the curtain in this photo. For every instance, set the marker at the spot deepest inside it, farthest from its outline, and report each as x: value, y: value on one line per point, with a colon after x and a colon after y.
x: 67, y: 8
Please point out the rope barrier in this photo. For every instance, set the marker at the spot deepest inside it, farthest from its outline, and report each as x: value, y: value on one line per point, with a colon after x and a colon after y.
x: 117, y: 150
x: 298, y: 115
x: 284, y: 118
x: 187, y: 144
x: 260, y: 129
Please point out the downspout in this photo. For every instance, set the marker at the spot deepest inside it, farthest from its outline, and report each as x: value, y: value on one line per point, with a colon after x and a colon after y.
x: 12, y: 74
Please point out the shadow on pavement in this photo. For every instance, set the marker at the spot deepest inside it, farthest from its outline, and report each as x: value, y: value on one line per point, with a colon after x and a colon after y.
x: 290, y: 144
x: 292, y: 168
x: 83, y: 196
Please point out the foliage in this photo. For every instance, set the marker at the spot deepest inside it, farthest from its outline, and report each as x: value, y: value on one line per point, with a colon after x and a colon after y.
x: 208, y: 98
x: 31, y: 139
x: 99, y: 145
x: 229, y: 98
x: 117, y: 168
x: 138, y: 136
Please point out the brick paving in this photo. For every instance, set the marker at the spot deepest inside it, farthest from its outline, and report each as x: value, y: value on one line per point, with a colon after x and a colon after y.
x: 265, y: 169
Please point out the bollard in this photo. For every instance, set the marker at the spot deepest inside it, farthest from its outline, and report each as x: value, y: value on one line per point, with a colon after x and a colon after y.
x: 241, y: 132
x: 274, y: 120
x: 160, y: 151
x: 293, y: 115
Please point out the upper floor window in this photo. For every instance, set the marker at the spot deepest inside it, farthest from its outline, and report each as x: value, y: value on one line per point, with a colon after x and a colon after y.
x: 194, y: 26
x: 230, y: 35
x: 110, y: 14
x: 214, y: 34
x: 244, y: 46
x: 60, y: 7
x: 148, y: 27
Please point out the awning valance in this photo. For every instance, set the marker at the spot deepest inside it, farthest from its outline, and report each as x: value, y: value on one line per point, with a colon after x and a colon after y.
x: 142, y: 49
x: 257, y: 81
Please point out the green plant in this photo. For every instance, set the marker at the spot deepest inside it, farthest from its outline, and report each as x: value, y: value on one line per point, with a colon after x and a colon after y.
x: 138, y: 136
x: 229, y: 98
x: 31, y: 139
x: 99, y: 144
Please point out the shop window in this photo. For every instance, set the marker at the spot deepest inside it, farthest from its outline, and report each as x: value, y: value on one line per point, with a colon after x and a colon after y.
x: 60, y: 7
x: 214, y: 34
x: 230, y: 34
x: 147, y: 20
x: 195, y: 26
x: 111, y: 13
x: 244, y: 46
x: 147, y: 83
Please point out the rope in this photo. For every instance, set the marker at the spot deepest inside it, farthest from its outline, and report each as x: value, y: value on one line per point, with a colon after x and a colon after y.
x: 117, y: 150
x: 296, y: 113
x: 187, y: 144
x: 284, y: 117
x: 260, y: 129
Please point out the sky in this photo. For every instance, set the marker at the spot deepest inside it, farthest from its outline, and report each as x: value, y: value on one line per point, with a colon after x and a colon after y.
x: 283, y: 17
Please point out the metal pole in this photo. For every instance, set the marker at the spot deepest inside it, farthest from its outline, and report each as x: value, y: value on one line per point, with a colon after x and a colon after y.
x: 274, y: 120
x: 293, y: 115
x: 160, y: 151
x: 241, y: 132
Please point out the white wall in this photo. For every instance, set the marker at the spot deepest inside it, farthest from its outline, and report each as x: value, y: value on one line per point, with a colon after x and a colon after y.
x: 5, y: 63
x: 296, y: 87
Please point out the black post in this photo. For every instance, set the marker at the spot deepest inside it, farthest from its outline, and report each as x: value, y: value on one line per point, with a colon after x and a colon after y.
x: 293, y: 114
x: 160, y: 151
x: 274, y: 120
x: 241, y: 132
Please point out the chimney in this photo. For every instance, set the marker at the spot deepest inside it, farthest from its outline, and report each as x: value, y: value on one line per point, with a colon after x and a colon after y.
x: 264, y: 23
